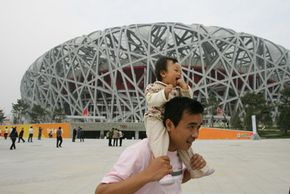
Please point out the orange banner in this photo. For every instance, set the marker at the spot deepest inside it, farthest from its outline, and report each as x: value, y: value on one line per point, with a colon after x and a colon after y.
x: 215, y: 133
x: 46, y: 128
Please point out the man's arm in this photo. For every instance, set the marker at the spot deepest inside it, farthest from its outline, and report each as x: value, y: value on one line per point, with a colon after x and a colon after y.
x: 130, y: 185
x: 158, y: 168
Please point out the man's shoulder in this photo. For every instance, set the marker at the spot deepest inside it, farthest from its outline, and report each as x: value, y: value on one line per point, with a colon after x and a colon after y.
x: 142, y: 144
x: 140, y: 149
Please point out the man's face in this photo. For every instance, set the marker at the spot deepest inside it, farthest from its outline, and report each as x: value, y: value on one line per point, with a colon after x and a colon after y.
x: 185, y: 133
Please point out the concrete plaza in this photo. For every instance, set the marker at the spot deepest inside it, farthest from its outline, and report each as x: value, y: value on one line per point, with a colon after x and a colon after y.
x: 242, y: 166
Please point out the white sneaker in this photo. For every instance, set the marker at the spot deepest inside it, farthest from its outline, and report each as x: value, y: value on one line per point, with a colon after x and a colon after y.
x: 167, y: 180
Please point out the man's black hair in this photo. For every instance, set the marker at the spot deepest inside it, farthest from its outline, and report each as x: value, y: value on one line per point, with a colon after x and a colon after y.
x: 161, y: 65
x: 175, y: 108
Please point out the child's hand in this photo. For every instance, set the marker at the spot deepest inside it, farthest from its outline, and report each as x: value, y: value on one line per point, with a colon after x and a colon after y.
x: 182, y: 84
x: 167, y: 90
x: 197, y: 162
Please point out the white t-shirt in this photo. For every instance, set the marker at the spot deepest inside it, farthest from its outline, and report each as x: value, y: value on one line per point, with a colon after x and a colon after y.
x: 135, y: 159
x: 30, y: 130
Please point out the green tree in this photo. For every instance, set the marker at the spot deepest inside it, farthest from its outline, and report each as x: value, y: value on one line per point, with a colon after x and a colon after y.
x: 58, y: 115
x: 19, y: 110
x: 236, y: 122
x: 38, y: 114
x: 283, y: 120
x: 211, y: 105
x: 255, y: 104
x: 2, y: 117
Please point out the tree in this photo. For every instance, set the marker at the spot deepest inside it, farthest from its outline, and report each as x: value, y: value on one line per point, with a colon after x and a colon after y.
x: 236, y: 122
x: 255, y: 104
x: 2, y: 117
x: 283, y: 120
x: 58, y: 115
x: 19, y: 110
x: 38, y: 114
x: 212, y: 104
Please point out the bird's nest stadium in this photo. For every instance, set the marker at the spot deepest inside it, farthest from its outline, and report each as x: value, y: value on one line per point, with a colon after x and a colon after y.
x: 107, y: 71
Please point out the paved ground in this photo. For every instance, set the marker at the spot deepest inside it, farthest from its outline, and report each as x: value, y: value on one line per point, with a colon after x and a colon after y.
x: 242, y: 167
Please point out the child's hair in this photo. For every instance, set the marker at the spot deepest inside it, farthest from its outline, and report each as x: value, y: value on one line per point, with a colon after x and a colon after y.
x: 175, y: 108
x: 161, y: 65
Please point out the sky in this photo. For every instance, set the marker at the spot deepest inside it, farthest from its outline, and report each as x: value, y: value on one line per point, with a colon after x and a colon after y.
x: 30, y: 28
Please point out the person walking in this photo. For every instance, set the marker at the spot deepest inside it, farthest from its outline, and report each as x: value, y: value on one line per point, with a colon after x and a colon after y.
x: 115, y: 137
x: 5, y: 132
x: 30, y: 131
x: 59, y: 137
x: 13, y: 136
x: 20, y: 136
x: 74, y: 135
x: 121, y: 136
x: 82, y: 136
x: 39, y: 133
x: 109, y: 136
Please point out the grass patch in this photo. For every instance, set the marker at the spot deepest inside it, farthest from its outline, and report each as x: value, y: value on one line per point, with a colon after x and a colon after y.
x: 273, y: 133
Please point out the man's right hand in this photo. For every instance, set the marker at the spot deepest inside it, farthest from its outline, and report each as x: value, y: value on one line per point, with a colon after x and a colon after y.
x: 167, y: 90
x: 158, y: 168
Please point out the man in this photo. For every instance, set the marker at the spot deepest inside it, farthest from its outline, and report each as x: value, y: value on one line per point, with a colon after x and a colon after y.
x: 138, y: 172
x: 59, y: 137
x: 20, y: 136
x: 74, y: 135
x: 39, y: 133
x: 30, y: 131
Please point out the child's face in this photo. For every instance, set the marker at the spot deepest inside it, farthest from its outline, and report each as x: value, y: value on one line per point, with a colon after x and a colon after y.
x: 172, y: 74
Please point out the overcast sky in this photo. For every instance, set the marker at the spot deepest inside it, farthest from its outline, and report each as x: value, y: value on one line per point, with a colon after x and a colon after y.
x: 29, y: 28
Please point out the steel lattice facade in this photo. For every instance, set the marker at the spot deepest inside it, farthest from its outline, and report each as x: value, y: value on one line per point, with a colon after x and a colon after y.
x: 108, y: 70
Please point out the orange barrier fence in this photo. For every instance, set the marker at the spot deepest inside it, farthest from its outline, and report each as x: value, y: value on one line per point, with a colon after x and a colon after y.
x: 46, y: 128
x: 215, y: 133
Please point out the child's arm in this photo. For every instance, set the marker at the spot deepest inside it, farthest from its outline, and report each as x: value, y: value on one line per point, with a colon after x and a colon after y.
x: 185, y: 89
x: 156, y: 97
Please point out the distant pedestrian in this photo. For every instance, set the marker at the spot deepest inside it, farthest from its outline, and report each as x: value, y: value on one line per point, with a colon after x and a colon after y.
x: 59, y: 137
x: 20, y: 136
x: 115, y: 137
x: 5, y: 132
x: 30, y: 135
x: 121, y: 136
x: 109, y: 136
x: 50, y: 133
x: 13, y: 136
x: 39, y: 133
x: 74, y: 135
x: 82, y: 138
x: 0, y: 133
x: 80, y: 134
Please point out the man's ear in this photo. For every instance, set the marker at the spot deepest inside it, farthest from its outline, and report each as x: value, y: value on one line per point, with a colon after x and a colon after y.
x: 169, y: 125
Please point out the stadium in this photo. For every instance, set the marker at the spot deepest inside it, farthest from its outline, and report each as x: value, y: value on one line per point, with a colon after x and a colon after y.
x: 104, y: 74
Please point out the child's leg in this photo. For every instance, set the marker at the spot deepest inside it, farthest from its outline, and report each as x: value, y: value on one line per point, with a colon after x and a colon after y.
x: 157, y: 135
x: 185, y: 157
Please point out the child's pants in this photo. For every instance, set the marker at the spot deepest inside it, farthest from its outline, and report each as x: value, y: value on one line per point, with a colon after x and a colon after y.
x: 157, y: 135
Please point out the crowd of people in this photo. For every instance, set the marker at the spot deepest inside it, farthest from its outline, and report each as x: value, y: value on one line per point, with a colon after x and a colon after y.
x: 13, y: 134
x: 115, y: 135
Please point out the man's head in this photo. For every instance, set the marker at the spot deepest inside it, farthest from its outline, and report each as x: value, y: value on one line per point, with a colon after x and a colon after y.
x: 167, y: 70
x: 182, y: 119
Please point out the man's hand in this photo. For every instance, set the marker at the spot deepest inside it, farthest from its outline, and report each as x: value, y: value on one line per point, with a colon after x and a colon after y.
x: 197, y: 162
x: 167, y: 90
x: 158, y: 168
x: 182, y: 84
